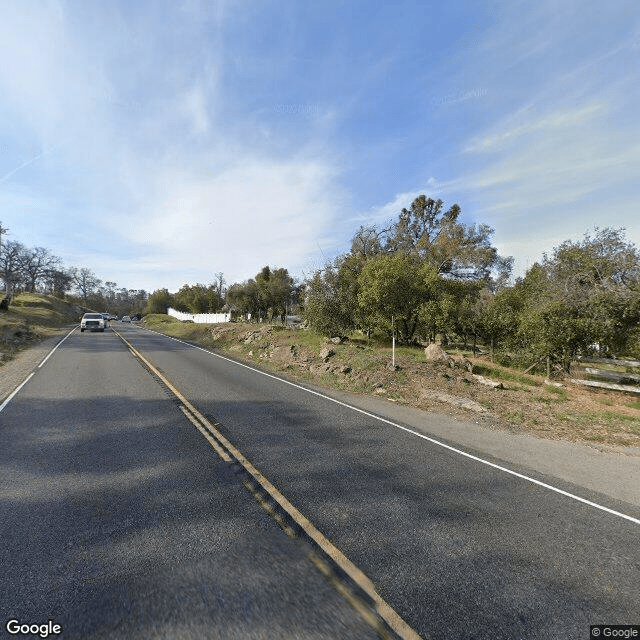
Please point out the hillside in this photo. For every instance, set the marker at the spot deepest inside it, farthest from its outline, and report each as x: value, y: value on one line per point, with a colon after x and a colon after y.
x: 523, y: 403
x: 32, y: 317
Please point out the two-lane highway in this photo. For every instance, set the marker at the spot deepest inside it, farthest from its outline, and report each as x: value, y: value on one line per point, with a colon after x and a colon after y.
x: 119, y: 514
x: 457, y: 547
x: 120, y: 521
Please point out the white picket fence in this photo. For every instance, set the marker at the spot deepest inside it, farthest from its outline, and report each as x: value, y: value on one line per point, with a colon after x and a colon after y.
x: 200, y: 318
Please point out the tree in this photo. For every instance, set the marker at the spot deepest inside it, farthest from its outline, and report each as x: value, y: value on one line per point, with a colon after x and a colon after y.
x: 159, y: 301
x: 394, y: 289
x: 10, y: 260
x: 280, y: 290
x: 448, y: 252
x: 35, y: 264
x: 245, y: 298
x: 219, y: 290
x: 459, y: 251
x: 366, y: 243
x: 328, y: 305
x: 603, y: 262
x: 86, y: 283
x: 59, y: 282
x: 497, y: 316
x: 584, y: 293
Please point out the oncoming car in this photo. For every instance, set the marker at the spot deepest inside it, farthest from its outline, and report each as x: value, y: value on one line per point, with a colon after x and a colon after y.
x: 125, y: 319
x: 92, y: 322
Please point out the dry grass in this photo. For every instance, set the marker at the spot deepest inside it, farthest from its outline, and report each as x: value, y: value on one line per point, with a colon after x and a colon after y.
x: 525, y: 404
x: 30, y: 318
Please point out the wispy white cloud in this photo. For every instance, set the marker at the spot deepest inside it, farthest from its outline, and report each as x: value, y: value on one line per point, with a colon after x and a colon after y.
x: 189, y: 140
x: 165, y: 186
x: 256, y: 212
x: 519, y: 124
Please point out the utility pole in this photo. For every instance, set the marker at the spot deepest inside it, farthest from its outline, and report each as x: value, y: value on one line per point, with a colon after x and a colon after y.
x: 3, y: 230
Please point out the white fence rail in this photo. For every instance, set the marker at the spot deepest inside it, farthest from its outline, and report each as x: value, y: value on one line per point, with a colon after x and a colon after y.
x: 200, y: 318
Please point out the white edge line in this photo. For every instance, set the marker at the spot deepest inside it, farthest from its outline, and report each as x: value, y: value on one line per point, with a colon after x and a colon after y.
x: 54, y: 348
x: 15, y: 391
x: 415, y: 433
x: 6, y: 402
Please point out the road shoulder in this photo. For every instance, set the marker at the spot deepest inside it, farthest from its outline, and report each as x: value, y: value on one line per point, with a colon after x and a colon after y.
x: 14, y: 372
x: 604, y: 469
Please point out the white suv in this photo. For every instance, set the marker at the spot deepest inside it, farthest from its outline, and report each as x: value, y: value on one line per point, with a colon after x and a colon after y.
x: 92, y: 322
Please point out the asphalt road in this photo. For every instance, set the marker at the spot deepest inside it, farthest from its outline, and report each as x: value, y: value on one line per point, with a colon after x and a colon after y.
x: 120, y: 521
x: 118, y: 515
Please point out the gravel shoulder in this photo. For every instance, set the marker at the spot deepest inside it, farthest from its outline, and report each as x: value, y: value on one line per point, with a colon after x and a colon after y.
x: 13, y: 372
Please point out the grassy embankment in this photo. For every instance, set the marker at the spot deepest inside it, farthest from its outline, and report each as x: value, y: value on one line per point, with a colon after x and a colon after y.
x: 32, y: 317
x: 525, y: 403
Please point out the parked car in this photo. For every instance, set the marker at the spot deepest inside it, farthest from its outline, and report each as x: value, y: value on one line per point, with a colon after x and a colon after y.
x: 125, y: 319
x: 93, y: 322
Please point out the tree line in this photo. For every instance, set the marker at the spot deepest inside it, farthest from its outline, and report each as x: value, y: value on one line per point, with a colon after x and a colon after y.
x: 423, y: 276
x: 428, y: 275
x: 34, y: 269
x: 271, y: 294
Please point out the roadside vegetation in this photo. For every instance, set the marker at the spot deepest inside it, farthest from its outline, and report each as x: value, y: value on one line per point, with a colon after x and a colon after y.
x: 30, y: 318
x: 522, y: 403
x: 424, y: 278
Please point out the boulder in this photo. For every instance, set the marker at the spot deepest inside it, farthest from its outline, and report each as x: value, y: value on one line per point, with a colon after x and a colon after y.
x: 463, y: 403
x: 283, y: 353
x: 465, y: 364
x: 326, y: 353
x: 487, y: 382
x: 435, y: 353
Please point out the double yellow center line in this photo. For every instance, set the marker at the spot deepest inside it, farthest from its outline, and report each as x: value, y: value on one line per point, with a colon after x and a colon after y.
x: 229, y: 453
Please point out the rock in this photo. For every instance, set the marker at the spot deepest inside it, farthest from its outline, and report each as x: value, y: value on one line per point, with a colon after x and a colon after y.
x: 326, y: 353
x: 465, y: 364
x: 435, y: 353
x: 487, y: 382
x: 393, y: 367
x: 463, y: 403
x: 345, y: 369
x: 317, y: 369
x: 336, y: 340
x: 256, y: 334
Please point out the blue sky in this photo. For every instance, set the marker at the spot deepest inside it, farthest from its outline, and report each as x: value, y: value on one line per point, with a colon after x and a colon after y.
x: 159, y: 143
